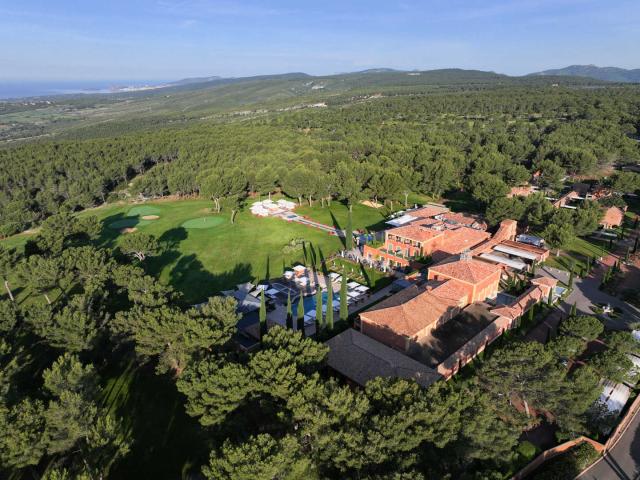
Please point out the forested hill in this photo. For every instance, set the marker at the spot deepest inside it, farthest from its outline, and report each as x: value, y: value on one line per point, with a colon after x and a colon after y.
x: 232, y: 98
x: 608, y: 74
x: 482, y: 140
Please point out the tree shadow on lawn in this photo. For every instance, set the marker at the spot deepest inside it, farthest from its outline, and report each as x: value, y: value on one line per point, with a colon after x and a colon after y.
x: 196, y: 284
x: 336, y: 225
x: 109, y: 234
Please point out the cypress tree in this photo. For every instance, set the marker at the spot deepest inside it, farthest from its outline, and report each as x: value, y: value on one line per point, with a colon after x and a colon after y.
x: 263, y: 315
x: 571, y: 275
x: 344, y: 306
x: 300, y: 316
x: 349, y: 233
x: 533, y: 268
x: 531, y: 314
x: 319, y: 325
x: 289, y: 312
x: 550, y: 298
x: 329, y: 316
x: 635, y: 245
x: 626, y: 254
x: 588, y: 267
x: 574, y: 310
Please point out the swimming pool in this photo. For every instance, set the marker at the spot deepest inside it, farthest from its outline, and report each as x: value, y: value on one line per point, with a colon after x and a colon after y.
x: 309, y: 302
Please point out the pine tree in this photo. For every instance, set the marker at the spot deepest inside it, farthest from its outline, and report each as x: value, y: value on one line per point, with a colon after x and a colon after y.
x: 289, y: 312
x: 329, y: 317
x: 263, y: 315
x: 349, y: 233
x: 319, y: 321
x: 344, y: 305
x: 300, y: 316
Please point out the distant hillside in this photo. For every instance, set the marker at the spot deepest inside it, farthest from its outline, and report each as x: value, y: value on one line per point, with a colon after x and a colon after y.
x: 607, y: 74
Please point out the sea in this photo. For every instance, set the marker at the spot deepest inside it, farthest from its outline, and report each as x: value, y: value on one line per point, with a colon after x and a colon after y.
x: 26, y: 89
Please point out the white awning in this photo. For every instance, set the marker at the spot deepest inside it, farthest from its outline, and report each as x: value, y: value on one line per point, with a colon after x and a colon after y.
x: 516, y: 252
x: 517, y: 264
x: 403, y: 220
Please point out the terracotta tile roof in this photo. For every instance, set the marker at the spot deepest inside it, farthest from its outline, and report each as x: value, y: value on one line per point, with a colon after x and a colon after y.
x: 467, y: 270
x: 521, y: 304
x: 452, y: 290
x: 461, y: 239
x: 428, y: 211
x: 548, y: 281
x: 409, y: 311
x: 464, y: 219
x: 415, y: 232
x: 361, y: 359
x: 612, y: 216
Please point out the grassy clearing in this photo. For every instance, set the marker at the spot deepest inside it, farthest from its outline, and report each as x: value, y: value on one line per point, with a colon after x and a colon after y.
x: 576, y: 253
x: 201, y: 262
x: 363, y: 217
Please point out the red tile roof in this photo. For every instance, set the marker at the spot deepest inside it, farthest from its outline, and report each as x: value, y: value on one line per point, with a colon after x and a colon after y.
x: 409, y: 311
x: 613, y: 216
x: 463, y: 238
x: 520, y: 304
x: 548, y: 281
x: 464, y: 219
x: 467, y: 270
x: 451, y: 290
x: 428, y: 211
x: 415, y: 232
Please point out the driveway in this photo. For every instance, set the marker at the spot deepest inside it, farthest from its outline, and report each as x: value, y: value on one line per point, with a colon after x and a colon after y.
x: 622, y: 461
x: 586, y: 292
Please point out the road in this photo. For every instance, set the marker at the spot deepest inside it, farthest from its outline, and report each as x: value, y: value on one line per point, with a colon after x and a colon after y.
x: 622, y: 461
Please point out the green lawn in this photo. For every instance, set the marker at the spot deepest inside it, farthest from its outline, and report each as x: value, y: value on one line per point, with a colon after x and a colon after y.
x: 370, y: 277
x: 363, y: 218
x: 577, y: 252
x: 202, y: 261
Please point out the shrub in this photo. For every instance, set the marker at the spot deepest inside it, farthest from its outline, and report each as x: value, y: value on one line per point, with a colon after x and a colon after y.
x: 568, y: 465
x: 527, y: 450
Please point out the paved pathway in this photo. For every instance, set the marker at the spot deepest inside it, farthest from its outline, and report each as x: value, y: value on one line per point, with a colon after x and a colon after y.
x: 622, y: 461
x: 586, y: 292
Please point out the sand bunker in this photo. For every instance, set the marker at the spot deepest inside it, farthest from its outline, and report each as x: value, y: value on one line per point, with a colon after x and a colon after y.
x: 150, y: 217
x: 368, y: 203
x: 203, y: 222
x: 128, y: 230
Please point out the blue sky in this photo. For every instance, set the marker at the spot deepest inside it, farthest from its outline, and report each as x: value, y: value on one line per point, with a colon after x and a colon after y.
x: 171, y: 39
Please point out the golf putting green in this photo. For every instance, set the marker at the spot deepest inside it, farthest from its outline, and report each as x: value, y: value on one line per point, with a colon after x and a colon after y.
x: 203, y: 222
x: 128, y: 223
x: 143, y: 210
